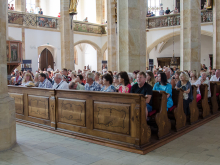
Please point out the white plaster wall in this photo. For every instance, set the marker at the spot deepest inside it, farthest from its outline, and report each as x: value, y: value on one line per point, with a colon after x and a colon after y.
x: 86, y: 56
x: 100, y: 41
x: 206, y: 49
x: 36, y: 38
x: 87, y: 8
x: 50, y: 7
x: 155, y: 34
x: 15, y: 33
x: 169, y: 3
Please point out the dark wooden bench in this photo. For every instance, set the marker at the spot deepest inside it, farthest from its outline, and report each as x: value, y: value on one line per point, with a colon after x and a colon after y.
x: 194, y: 111
x: 218, y: 92
x: 177, y: 109
x: 159, y: 114
x: 213, y: 100
x: 205, y: 108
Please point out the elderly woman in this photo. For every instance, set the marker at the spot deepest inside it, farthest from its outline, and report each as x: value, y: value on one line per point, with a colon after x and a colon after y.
x: 125, y: 83
x: 163, y: 85
x: 107, y: 81
x: 187, y: 95
x: 150, y: 78
x: 203, y: 80
x: 27, y: 80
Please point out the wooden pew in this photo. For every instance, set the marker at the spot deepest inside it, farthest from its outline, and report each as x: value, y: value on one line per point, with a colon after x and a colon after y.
x: 159, y: 113
x: 218, y: 92
x: 177, y: 109
x: 111, y: 118
x: 213, y: 99
x: 205, y: 108
x: 34, y: 106
x: 194, y: 111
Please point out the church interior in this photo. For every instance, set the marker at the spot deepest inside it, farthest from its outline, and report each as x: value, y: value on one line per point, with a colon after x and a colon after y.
x: 109, y: 82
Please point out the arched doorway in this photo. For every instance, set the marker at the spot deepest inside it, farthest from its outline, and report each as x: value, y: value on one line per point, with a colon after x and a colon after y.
x: 46, y: 59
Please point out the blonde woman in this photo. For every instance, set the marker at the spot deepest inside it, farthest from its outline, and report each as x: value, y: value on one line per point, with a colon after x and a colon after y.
x: 150, y: 78
x: 27, y: 79
x: 193, y: 78
x: 187, y: 95
x: 36, y: 80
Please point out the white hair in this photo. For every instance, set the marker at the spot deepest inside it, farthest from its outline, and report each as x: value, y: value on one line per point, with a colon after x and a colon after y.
x: 15, y: 70
x: 59, y: 76
x: 91, y: 75
x: 130, y: 75
x: 169, y: 70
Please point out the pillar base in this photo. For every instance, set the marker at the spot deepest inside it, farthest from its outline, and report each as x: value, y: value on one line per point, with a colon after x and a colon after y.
x: 7, y: 122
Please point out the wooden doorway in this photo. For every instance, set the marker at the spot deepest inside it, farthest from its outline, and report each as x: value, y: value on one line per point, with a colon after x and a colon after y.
x: 211, y: 60
x: 46, y: 59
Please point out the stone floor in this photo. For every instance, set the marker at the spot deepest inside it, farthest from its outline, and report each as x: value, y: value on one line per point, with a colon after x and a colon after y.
x: 36, y: 147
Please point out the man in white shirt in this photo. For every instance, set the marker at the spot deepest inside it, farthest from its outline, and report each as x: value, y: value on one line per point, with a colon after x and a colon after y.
x: 59, y: 83
x: 216, y: 77
x: 203, y: 80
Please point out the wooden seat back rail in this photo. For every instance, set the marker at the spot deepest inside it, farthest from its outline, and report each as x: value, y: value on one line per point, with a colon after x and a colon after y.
x: 106, y: 117
x: 205, y: 104
x: 194, y: 111
x: 180, y: 117
x: 213, y: 99
x: 159, y: 100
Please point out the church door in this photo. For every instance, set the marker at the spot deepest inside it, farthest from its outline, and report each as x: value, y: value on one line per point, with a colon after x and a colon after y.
x: 46, y: 59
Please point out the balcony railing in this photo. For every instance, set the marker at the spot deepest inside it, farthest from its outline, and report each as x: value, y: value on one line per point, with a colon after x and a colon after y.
x: 174, y: 19
x: 87, y: 27
x: 32, y: 20
x: 42, y: 21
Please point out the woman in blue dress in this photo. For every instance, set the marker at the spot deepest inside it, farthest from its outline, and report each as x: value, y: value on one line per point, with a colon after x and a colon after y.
x: 107, y: 81
x: 163, y: 85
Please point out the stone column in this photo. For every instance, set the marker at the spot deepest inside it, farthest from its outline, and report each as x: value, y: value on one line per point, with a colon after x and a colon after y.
x: 112, y: 37
x: 216, y: 34
x: 23, y: 43
x: 7, y: 105
x: 147, y: 54
x: 190, y: 35
x: 67, y: 44
x: 20, y: 5
x: 37, y: 3
x: 132, y: 35
x: 99, y: 16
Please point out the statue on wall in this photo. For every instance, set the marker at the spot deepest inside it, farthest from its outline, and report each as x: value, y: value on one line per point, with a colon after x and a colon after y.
x: 73, y: 6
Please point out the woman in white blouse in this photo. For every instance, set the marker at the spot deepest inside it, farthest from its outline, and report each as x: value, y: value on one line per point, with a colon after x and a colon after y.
x: 27, y: 79
x: 203, y: 80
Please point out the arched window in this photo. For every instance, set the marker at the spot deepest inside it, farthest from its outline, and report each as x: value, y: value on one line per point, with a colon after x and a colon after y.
x: 154, y: 6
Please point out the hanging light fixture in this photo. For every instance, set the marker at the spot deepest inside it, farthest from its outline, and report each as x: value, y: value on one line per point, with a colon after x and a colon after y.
x: 173, y: 61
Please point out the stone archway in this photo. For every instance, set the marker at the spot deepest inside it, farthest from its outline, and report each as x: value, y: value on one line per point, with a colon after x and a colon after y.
x: 104, y: 48
x: 170, y: 35
x: 96, y: 47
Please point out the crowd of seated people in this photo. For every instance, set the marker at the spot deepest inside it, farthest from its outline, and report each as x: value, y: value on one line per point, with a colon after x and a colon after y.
x: 161, y: 79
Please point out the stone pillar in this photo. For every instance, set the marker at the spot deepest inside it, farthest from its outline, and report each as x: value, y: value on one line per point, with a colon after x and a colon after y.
x: 132, y: 35
x: 147, y: 54
x: 216, y: 34
x: 112, y: 37
x: 20, y: 5
x: 67, y: 44
x: 190, y: 35
x: 23, y: 43
x: 99, y: 15
x: 37, y: 3
x: 7, y: 105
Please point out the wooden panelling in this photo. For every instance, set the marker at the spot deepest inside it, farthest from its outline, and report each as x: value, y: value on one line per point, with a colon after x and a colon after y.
x: 19, y: 102
x: 71, y: 111
x: 112, y: 117
x: 38, y: 106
